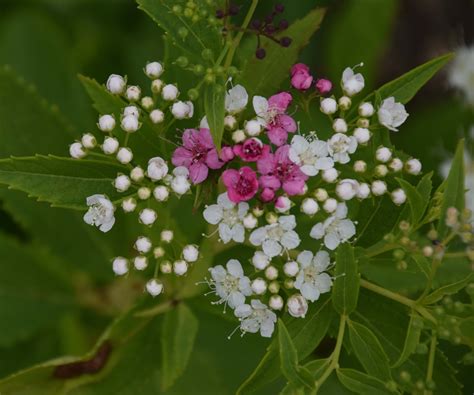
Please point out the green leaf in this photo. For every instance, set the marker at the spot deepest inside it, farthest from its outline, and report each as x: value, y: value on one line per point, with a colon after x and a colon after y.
x: 306, y: 335
x: 417, y: 203
x: 361, y: 383
x: 368, y: 350
x: 466, y: 328
x: 179, y: 331
x: 412, y: 339
x: 214, y: 100
x: 290, y: 367
x: 453, y: 195
x: 260, y: 76
x: 346, y: 286
x: 449, y: 289
x: 63, y: 182
x: 316, y: 368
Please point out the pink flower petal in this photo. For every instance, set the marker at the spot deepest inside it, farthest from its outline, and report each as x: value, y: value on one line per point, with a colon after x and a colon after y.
x: 198, y: 172
x: 280, y: 101
x: 212, y: 159
x: 271, y: 182
x: 294, y: 187
x: 287, y: 123
x: 182, y: 157
x: 277, y: 135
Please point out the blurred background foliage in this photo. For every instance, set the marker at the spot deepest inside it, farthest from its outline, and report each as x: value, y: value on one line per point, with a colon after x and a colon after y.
x: 57, y: 292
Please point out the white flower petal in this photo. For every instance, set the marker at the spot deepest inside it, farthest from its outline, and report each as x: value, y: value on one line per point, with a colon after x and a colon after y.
x: 213, y: 214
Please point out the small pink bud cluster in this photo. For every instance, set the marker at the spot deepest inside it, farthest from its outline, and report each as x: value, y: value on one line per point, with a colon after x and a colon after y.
x: 302, y: 80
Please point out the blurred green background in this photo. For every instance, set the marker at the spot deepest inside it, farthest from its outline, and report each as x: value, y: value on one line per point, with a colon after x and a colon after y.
x: 48, y: 42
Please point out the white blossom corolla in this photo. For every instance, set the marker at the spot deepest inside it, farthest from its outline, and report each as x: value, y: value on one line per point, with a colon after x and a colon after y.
x: 291, y: 268
x: 106, y: 123
x: 363, y: 192
x: 133, y: 93
x: 236, y: 99
x: 161, y: 193
x: 260, y: 260
x: 143, y: 244
x: 169, y: 92
x: 130, y: 123
x: 157, y: 168
x: 100, y: 213
x: 310, y: 156
x: 311, y: 279
x: 124, y: 155
x: 276, y: 237
x: 336, y: 229
x: 120, y: 266
x: 297, y: 306
x: 461, y: 72
x: 256, y: 317
x: 77, y: 151
x: 352, y: 83
x: 154, y: 69
x: 250, y: 221
x: 346, y: 189
x: 116, y: 84
x: 154, y: 287
x: 413, y: 166
x: 339, y: 125
x: 340, y: 146
x: 191, y: 253
x: 229, y: 216
x: 157, y: 116
x: 180, y: 180
x: 366, y: 109
x: 398, y: 196
x: 182, y: 110
x: 88, y: 140
x: 392, y: 114
x: 140, y: 262
x: 131, y: 110
x: 328, y: 106
x: 230, y: 284
x: 362, y: 135
x: 110, y: 145
x: 253, y: 128
x: 148, y: 216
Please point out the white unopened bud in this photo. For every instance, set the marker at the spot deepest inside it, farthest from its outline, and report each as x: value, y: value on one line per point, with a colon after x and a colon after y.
x: 258, y: 212
x: 156, y: 86
x: 167, y: 236
x: 396, y: 164
x: 116, y: 84
x: 180, y: 267
x: 154, y: 69
x: 166, y: 267
x: 182, y: 110
x: 360, y: 166
x: 133, y: 93
x: 413, y: 166
x: 147, y: 103
x: 297, y: 306
x: 330, y: 205
x: 381, y: 170
x: 144, y: 193
x: 110, y: 145
x: 366, y: 109
x: 347, y: 189
x: 362, y: 135
x: 238, y: 136
x: 328, y: 106
x: 398, y: 196
x: 330, y: 175
x: 260, y: 260
x: 363, y: 191
x: 428, y: 251
x: 131, y: 110
x: 77, y: 151
x: 190, y: 253
x: 143, y: 245
x: 259, y: 286
x: 276, y: 302
x: 169, y: 92
x: 291, y: 268
x: 383, y: 154
x: 274, y: 287
x: 282, y: 204
x: 130, y: 124
x: 158, y: 252
x: 120, y: 266
x: 230, y: 123
x: 106, y: 123
x: 122, y: 183
x: 309, y: 206
x: 148, y: 216
x: 157, y: 116
x: 154, y: 287
x: 271, y: 273
x: 157, y: 168
x: 124, y: 155
x: 161, y: 193
x: 321, y: 194
x: 129, y: 205
x: 339, y: 125
x: 253, y: 128
x: 140, y: 262
x: 344, y: 103
x: 271, y: 218
x: 137, y: 174
x: 250, y: 222
x: 379, y: 187
x: 88, y: 141
x: 180, y: 185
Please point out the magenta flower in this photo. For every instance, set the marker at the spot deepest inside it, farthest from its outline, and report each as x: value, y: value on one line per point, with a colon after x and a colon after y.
x: 301, y: 79
x: 227, y: 154
x: 251, y: 150
x: 242, y: 184
x: 323, y: 86
x: 272, y: 115
x: 198, y: 154
x: 278, y: 171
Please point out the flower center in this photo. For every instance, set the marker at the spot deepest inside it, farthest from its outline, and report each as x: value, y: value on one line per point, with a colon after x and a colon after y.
x: 230, y: 284
x: 252, y: 149
x: 275, y: 232
x: 339, y: 145
x: 244, y: 186
x: 230, y: 217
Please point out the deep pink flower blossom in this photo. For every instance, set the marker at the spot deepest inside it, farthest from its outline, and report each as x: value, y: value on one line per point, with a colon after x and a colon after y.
x: 323, y: 86
x: 198, y: 154
x: 242, y: 184
x: 267, y: 195
x: 251, y: 150
x: 278, y: 171
x: 301, y: 79
x: 227, y: 154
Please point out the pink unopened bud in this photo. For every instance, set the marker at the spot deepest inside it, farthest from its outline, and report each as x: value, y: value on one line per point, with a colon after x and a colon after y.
x: 267, y: 195
x: 301, y: 79
x: 227, y: 154
x: 323, y: 86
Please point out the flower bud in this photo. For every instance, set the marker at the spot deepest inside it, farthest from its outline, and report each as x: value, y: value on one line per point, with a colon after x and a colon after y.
x: 140, y: 262
x: 190, y: 253
x: 398, y: 196
x: 396, y: 164
x: 363, y: 123
x: 383, y: 154
x: 106, y: 123
x: 124, y: 155
x: 157, y: 116
x: 154, y: 287
x: 133, y: 93
x: 344, y: 103
x: 267, y: 194
x: 227, y: 154
x: 323, y: 86
x: 88, y: 141
x: 291, y: 268
x: 147, y: 216
x: 161, y: 193
x: 169, y: 92
x: 379, y: 187
x: 180, y: 185
x: 253, y: 128
x: 122, y: 183
x: 157, y: 168
x: 130, y: 124
x: 129, y: 205
x: 413, y: 166
x: 297, y: 306
x: 330, y: 205
x: 321, y: 194
x: 230, y: 123
x: 347, y: 189
x: 143, y: 244
x: 309, y: 206
x: 259, y: 286
x: 77, y: 151
x: 381, y: 170
x: 274, y: 287
x: 271, y: 218
x: 276, y: 302
x: 249, y: 221
x: 339, y: 125
x: 330, y: 175
x: 282, y: 204
x: 156, y: 86
x: 363, y: 192
x: 260, y: 260
x: 328, y: 106
x: 167, y: 236
x: 131, y: 110
x: 144, y: 193
x: 360, y: 166
x: 238, y: 136
x: 116, y: 84
x: 271, y: 273
x: 147, y: 103
x: 182, y: 110
x: 137, y: 174
x: 366, y: 109
x: 180, y: 267
x: 120, y: 266
x: 166, y: 267
x: 362, y: 135
x: 154, y: 70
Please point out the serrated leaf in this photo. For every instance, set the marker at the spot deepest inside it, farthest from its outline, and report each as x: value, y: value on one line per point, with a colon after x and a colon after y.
x: 412, y: 339
x: 453, y: 195
x: 214, y: 100
x: 415, y: 200
x: 346, y: 285
x: 449, y: 289
x: 259, y: 76
x: 180, y: 327
x: 368, y: 350
x: 62, y: 182
x: 306, y: 335
x: 289, y: 363
x: 316, y: 368
x: 423, y: 189
x: 362, y: 383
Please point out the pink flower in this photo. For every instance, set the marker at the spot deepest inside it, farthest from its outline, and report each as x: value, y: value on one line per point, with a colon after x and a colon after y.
x: 301, y: 79
x: 242, y: 184
x: 227, y: 154
x: 272, y: 115
x: 251, y: 150
x: 278, y: 171
x: 198, y: 154
x: 267, y: 195
x: 323, y: 86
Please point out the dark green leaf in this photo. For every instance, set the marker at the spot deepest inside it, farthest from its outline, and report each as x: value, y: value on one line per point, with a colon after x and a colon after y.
x: 412, y: 339
x: 214, y: 99
x: 346, y: 285
x: 466, y: 328
x: 316, y: 368
x: 417, y: 203
x: 361, y: 383
x: 449, y: 289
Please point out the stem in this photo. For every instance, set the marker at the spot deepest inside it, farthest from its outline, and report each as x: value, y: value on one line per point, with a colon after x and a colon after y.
x: 431, y: 358
x: 434, y: 268
x: 155, y: 310
x: 238, y: 37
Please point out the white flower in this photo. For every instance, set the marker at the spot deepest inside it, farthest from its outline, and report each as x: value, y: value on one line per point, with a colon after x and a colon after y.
x: 191, y: 253
x: 148, y: 216
x: 130, y: 123
x: 283, y: 204
x: 182, y: 110
x: 122, y: 183
x: 346, y: 189
x: 352, y: 83
x: 260, y: 260
x: 236, y: 99
x: 340, y: 146
x: 461, y: 73
x: 180, y: 181
x: 291, y: 268
x: 124, y: 155
x: 310, y: 156
x: 297, y: 306
x: 392, y: 114
x: 154, y: 69
x: 339, y: 125
x: 328, y: 106
x: 398, y: 196
x: 413, y: 166
x: 106, y: 123
x: 120, y: 266
x: 116, y: 84
x: 88, y: 140
x: 309, y: 206
x: 230, y: 284
x: 278, y: 236
x: 253, y: 128
x: 131, y: 110
x: 76, y: 150
x: 100, y: 213
x: 140, y: 262
x: 161, y: 193
x: 157, y: 116
x: 133, y: 93
x: 336, y: 229
x: 110, y: 145
x: 229, y: 216
x: 143, y: 244
x: 250, y: 222
x: 311, y: 281
x: 154, y: 287
x: 129, y: 205
x: 362, y: 135
x: 180, y: 267
x: 378, y: 187
x: 157, y: 168
x: 276, y: 302
x: 366, y: 109
x: 256, y: 317
x: 169, y: 92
